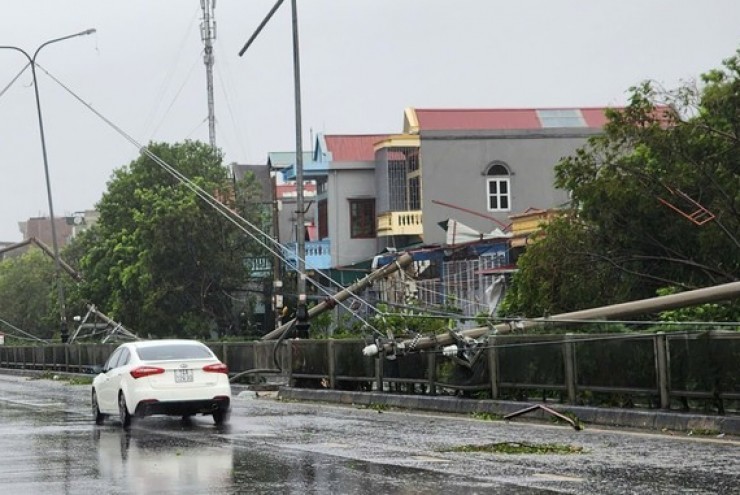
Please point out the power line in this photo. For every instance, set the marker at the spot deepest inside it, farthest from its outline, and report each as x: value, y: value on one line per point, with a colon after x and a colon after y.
x: 22, y: 332
x: 240, y: 222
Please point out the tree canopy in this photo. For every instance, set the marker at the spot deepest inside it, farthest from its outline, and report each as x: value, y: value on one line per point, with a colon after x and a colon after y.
x: 655, y: 203
x: 160, y: 259
x: 27, y: 294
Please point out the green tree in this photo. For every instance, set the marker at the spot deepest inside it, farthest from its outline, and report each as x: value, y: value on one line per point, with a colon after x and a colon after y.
x: 623, y: 240
x: 160, y: 259
x: 27, y: 294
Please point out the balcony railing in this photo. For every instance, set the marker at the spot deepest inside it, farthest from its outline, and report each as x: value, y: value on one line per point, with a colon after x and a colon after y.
x: 318, y: 255
x: 400, y: 223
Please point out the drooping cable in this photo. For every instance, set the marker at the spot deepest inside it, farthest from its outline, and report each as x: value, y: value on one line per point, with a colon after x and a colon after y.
x: 22, y: 332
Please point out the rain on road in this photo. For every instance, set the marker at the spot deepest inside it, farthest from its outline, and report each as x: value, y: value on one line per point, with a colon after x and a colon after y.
x: 50, y: 445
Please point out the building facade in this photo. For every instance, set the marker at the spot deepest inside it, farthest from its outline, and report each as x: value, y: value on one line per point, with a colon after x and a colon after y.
x: 449, y: 188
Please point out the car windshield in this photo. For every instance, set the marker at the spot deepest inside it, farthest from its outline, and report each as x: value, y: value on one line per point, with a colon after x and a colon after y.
x: 173, y: 351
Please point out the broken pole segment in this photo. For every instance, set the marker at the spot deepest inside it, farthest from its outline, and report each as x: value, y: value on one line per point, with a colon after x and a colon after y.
x: 705, y: 295
x: 330, y: 302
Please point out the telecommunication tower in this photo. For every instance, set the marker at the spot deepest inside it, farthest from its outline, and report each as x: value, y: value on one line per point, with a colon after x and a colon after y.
x: 207, y: 35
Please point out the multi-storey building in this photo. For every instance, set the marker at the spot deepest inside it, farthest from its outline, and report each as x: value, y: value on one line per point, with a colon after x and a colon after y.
x: 465, y: 169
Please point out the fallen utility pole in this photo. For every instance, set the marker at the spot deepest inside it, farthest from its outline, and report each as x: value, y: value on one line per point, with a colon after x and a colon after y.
x: 400, y: 263
x: 653, y: 305
x: 116, y: 327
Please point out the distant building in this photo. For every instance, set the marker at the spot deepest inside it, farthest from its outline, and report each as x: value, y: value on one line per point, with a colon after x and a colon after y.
x: 276, y: 197
x: 481, y: 166
x: 262, y: 177
x: 67, y: 227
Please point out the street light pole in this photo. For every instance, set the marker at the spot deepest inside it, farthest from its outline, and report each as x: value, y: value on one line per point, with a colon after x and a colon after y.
x: 55, y: 244
x: 302, y: 324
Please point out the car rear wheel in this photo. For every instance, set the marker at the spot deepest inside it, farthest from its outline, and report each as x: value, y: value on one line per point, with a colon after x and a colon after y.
x: 220, y: 417
x: 123, y: 413
x: 97, y: 415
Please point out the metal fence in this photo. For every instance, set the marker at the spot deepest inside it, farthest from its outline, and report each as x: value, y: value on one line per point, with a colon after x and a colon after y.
x: 663, y: 370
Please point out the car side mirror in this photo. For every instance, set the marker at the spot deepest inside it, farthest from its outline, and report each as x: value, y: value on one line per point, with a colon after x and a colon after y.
x: 97, y: 369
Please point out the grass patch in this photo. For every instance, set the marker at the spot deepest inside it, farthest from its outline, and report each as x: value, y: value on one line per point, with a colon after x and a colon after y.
x: 78, y: 380
x: 486, y: 416
x: 70, y: 380
x: 377, y: 407
x: 517, y: 448
x: 703, y: 432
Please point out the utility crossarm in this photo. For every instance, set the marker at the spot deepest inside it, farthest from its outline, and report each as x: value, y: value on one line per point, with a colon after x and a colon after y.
x: 716, y: 293
x: 400, y: 263
x: 47, y: 250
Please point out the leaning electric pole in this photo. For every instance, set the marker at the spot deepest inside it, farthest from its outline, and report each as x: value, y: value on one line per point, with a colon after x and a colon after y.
x: 208, y: 34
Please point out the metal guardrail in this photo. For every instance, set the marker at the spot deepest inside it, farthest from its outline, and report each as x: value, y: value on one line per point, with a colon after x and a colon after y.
x: 668, y: 370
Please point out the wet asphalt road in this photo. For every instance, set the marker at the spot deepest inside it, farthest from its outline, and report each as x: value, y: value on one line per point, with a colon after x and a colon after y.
x: 50, y: 445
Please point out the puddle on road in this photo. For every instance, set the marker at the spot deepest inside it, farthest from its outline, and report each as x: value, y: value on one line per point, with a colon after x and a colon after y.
x: 164, y: 456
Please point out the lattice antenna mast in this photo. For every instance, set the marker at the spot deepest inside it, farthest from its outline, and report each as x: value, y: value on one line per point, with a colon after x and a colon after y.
x: 207, y: 35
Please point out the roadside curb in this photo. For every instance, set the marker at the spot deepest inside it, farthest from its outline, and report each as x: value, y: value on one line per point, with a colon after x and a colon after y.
x: 651, y: 420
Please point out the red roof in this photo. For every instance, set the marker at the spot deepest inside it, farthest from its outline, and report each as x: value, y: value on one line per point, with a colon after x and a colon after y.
x: 502, y: 119
x: 450, y: 119
x: 357, y: 148
x: 594, y: 117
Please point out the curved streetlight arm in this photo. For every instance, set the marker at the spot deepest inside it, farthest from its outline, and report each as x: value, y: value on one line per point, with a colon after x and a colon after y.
x: 81, y: 33
x: 32, y: 59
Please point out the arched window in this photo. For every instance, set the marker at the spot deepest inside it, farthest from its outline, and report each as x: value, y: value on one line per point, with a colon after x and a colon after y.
x: 498, y: 187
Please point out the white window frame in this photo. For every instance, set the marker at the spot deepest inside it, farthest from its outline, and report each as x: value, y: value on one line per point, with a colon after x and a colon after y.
x: 498, y: 180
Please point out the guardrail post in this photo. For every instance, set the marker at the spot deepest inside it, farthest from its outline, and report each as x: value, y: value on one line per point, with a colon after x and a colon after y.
x: 332, y: 364
x: 379, y: 370
x: 432, y: 372
x: 289, y: 367
x: 493, y: 361
x: 661, y: 370
x: 255, y: 360
x: 569, y: 358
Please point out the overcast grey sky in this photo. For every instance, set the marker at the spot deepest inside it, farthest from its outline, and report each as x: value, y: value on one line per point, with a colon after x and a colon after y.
x: 363, y: 62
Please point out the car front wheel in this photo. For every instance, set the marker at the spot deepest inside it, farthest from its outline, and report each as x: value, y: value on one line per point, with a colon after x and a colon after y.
x: 123, y: 413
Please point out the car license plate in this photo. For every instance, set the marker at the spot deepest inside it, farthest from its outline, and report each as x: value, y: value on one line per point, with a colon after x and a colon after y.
x: 183, y: 376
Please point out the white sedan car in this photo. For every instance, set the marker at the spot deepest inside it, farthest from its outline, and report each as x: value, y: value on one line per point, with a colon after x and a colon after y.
x: 173, y: 377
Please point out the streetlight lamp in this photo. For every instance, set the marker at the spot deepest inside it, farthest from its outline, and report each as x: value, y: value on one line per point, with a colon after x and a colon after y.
x: 55, y: 244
